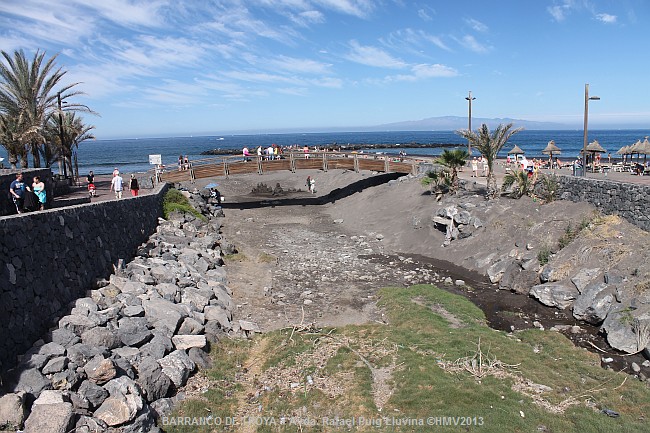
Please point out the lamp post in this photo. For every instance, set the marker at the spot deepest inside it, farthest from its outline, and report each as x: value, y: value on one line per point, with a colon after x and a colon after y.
x: 469, y: 127
x: 65, y: 169
x: 584, y: 142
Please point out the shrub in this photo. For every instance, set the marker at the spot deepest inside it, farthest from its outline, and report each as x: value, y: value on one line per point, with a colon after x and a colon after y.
x: 174, y: 200
x: 544, y: 255
x: 519, y: 182
x: 548, y: 188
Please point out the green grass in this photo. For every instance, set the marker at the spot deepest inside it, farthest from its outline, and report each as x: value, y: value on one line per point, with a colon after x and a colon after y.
x: 421, y: 350
x: 237, y: 257
x: 544, y: 254
x: 175, y: 201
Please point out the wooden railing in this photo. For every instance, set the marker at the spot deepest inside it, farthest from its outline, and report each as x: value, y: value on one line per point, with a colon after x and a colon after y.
x: 292, y: 161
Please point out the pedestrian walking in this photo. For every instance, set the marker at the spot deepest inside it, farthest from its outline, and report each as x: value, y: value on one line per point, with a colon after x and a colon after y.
x: 117, y: 184
x: 133, y: 186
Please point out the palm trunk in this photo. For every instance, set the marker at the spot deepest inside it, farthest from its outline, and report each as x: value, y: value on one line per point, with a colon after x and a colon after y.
x: 36, y: 155
x: 492, y: 189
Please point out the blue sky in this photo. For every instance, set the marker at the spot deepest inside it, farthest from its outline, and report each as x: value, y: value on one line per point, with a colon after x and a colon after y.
x: 167, y: 67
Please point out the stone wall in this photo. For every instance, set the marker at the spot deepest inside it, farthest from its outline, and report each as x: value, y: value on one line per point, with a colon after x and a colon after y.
x: 52, y: 257
x: 630, y: 201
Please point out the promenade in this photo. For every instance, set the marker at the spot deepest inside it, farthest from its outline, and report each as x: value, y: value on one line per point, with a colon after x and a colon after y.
x: 500, y: 171
x: 103, y: 182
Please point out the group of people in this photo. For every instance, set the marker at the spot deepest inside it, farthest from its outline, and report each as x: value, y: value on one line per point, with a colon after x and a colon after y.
x: 117, y: 184
x: 479, y: 164
x: 311, y: 184
x: 26, y: 197
x: 183, y: 163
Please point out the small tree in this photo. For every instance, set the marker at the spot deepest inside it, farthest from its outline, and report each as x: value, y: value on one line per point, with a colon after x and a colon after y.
x: 521, y: 183
x: 437, y: 181
x: 453, y: 160
x: 489, y: 145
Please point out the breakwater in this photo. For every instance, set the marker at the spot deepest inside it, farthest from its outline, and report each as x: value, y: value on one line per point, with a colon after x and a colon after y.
x: 51, y: 258
x: 629, y: 201
x: 349, y: 147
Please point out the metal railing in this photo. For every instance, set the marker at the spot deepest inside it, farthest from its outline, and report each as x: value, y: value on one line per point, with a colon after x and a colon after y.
x: 228, y: 165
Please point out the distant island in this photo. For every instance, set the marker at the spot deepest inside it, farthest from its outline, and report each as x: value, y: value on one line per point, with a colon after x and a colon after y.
x: 349, y: 147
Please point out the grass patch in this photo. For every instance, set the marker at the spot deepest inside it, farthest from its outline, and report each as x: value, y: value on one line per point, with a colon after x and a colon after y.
x: 571, y: 232
x: 237, y: 257
x: 544, y: 254
x: 419, y: 369
x: 266, y: 258
x: 175, y: 201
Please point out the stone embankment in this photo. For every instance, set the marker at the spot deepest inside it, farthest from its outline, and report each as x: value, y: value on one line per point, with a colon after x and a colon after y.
x: 595, y: 270
x: 115, y: 361
x: 630, y: 201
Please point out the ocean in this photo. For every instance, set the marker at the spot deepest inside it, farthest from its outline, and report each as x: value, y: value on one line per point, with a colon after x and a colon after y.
x: 132, y: 155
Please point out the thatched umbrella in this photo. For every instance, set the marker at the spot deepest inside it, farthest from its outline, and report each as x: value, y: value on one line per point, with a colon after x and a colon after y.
x: 594, y: 147
x: 516, y: 151
x: 644, y: 148
x: 625, y: 151
x: 551, y: 148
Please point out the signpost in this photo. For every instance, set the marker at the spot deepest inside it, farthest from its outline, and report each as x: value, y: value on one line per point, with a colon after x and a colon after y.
x: 157, y: 161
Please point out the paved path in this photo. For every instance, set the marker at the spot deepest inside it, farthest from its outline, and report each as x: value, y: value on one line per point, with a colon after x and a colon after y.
x: 102, y: 189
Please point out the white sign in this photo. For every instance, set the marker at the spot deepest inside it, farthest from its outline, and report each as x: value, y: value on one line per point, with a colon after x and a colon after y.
x: 155, y: 159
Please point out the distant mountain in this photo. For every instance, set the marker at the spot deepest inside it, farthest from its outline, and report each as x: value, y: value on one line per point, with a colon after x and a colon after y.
x: 451, y: 123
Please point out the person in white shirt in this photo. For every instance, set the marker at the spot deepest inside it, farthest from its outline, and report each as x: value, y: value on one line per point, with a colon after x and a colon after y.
x: 117, y: 185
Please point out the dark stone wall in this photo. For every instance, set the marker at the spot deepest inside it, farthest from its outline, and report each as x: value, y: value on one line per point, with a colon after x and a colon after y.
x: 50, y: 258
x: 630, y: 201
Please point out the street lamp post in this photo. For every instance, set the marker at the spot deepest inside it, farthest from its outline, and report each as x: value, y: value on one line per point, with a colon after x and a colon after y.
x: 469, y: 99
x: 584, y: 142
x: 62, y: 153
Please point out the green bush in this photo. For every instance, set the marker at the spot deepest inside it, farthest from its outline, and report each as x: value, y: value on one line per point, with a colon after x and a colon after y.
x: 174, y: 200
x: 549, y: 188
x: 544, y: 255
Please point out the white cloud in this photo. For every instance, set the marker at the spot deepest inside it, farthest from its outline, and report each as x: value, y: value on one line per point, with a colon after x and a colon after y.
x: 304, y: 19
x: 606, y: 18
x: 557, y: 12
x: 476, y: 25
x: 423, y: 72
x: 470, y: 43
x: 358, y: 8
x: 424, y: 15
x: 413, y: 41
x: 297, y: 65
x: 372, y: 56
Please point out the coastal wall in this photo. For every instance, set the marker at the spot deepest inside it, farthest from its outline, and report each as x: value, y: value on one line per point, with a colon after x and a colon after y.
x: 52, y: 257
x: 630, y: 201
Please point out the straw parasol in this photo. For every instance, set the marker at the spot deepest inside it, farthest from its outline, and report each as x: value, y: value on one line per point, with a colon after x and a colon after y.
x: 551, y: 148
x: 516, y: 151
x: 594, y: 147
x: 644, y: 148
x: 625, y: 151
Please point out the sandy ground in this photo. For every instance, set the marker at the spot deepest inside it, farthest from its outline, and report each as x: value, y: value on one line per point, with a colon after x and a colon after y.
x: 312, y: 260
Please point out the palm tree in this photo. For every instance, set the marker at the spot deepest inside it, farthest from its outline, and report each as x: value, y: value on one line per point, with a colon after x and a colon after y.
x: 27, y: 96
x: 437, y: 182
x: 523, y: 183
x: 9, y: 140
x: 62, y: 143
x: 453, y: 160
x: 489, y: 145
